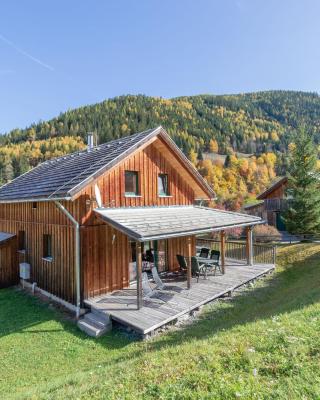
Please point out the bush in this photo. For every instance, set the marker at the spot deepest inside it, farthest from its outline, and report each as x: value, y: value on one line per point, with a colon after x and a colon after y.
x: 265, y: 233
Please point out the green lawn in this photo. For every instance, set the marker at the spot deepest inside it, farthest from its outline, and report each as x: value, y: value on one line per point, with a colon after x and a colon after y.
x: 263, y: 344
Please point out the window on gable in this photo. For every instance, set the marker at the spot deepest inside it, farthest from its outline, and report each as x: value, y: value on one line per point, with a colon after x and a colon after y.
x: 131, y: 183
x: 163, y: 187
x: 47, y: 247
x: 21, y: 240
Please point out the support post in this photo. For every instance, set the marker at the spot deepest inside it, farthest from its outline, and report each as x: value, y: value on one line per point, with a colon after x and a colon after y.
x: 249, y: 246
x: 189, y: 262
x: 223, y: 251
x: 139, y: 275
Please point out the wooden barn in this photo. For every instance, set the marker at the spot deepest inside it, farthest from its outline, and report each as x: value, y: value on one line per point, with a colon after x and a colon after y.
x: 85, y: 222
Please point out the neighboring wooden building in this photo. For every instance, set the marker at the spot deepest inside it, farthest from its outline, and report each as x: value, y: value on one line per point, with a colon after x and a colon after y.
x: 78, y: 248
x: 272, y: 203
x: 8, y: 260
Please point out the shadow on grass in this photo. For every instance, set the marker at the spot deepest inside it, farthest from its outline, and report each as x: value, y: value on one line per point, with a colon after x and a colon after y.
x: 24, y: 314
x: 288, y: 290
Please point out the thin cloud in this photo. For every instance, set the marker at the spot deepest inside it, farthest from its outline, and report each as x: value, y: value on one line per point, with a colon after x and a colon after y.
x: 24, y: 53
x: 6, y: 71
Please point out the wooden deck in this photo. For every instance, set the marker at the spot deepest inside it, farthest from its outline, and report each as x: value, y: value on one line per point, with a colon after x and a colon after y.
x: 175, y: 300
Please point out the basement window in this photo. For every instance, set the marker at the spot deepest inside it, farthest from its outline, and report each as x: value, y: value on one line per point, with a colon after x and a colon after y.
x: 131, y: 183
x: 47, y: 247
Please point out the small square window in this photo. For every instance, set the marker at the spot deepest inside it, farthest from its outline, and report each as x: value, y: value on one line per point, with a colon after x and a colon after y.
x: 34, y: 205
x: 21, y: 240
x: 47, y: 247
x: 163, y: 187
x: 131, y: 183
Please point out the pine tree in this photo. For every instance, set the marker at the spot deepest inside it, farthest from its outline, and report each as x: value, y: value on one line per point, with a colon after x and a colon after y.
x: 303, y: 215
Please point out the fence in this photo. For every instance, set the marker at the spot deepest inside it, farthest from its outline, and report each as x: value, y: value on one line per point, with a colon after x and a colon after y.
x: 237, y: 250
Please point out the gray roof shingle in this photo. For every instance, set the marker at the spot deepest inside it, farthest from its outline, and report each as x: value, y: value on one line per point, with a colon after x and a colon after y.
x: 62, y: 177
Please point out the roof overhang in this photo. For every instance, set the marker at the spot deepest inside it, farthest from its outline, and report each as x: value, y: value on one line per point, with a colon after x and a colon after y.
x: 154, y: 223
x: 5, y: 236
x: 273, y: 187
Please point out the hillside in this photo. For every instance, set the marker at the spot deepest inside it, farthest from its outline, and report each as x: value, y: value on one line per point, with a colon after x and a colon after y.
x: 256, y: 123
x: 263, y: 343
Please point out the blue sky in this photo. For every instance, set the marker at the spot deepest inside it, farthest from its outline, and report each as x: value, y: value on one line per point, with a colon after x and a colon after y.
x: 56, y: 55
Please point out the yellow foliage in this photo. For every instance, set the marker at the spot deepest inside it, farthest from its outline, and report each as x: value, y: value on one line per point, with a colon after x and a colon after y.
x: 213, y: 144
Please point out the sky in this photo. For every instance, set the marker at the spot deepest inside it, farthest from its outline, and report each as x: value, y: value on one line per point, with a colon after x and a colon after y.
x: 57, y: 55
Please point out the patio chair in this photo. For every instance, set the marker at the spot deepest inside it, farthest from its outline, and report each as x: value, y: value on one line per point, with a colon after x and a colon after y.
x: 146, y: 287
x: 204, y: 252
x: 215, y: 255
x: 182, y: 263
x: 196, y: 269
x: 157, y: 279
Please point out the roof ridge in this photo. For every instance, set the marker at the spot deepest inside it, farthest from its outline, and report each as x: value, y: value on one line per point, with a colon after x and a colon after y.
x: 99, y: 161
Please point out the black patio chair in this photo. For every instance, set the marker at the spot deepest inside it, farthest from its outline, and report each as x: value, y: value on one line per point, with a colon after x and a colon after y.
x: 215, y: 255
x: 196, y: 269
x: 182, y: 263
x: 204, y: 252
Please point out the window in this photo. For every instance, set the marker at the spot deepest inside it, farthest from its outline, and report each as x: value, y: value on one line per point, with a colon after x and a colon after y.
x: 21, y: 240
x: 131, y: 183
x: 163, y: 188
x: 47, y: 247
x: 34, y: 205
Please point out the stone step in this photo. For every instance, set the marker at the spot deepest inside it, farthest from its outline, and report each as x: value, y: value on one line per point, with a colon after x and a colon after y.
x: 93, y: 326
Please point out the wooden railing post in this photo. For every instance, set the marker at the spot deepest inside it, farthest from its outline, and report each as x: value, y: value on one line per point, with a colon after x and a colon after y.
x: 249, y: 246
x: 139, y: 274
x: 223, y: 251
x: 189, y: 262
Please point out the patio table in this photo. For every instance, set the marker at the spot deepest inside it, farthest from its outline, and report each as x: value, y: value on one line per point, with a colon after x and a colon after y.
x: 206, y: 263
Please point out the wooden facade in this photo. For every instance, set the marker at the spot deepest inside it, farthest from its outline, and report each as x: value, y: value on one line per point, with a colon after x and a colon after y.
x: 8, y: 263
x: 105, y: 252
x: 272, y: 203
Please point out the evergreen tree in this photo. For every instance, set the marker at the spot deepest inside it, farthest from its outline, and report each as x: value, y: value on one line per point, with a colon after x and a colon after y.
x: 200, y: 156
x: 303, y: 215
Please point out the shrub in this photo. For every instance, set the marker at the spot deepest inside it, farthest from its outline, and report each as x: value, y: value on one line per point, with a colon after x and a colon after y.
x: 266, y: 233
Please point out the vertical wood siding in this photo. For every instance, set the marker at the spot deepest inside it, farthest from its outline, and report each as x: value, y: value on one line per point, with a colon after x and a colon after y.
x: 179, y: 246
x: 56, y: 276
x: 9, y: 274
x: 104, y: 261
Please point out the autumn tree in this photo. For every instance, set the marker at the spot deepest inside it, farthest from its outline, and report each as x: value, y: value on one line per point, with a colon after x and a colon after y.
x: 213, y: 146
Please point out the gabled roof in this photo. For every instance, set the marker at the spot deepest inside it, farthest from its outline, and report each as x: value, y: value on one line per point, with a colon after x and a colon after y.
x: 63, y: 177
x: 153, y: 223
x: 274, y: 185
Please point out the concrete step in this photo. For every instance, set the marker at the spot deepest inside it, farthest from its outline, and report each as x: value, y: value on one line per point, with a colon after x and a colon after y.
x: 95, y: 320
x: 104, y: 317
x: 93, y: 326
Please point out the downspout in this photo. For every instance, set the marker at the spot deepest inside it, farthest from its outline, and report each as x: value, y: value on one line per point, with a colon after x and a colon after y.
x: 77, y: 253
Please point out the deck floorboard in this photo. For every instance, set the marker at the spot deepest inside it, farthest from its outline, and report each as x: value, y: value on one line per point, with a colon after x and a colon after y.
x: 175, y: 300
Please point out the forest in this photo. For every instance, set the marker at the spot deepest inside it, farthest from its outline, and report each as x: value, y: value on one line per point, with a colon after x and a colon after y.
x: 252, y: 130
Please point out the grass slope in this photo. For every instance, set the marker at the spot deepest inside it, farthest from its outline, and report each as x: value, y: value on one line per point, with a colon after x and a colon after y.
x: 263, y: 344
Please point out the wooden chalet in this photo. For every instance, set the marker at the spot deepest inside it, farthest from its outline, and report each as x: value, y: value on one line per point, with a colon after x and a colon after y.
x: 271, y: 203
x: 81, y: 247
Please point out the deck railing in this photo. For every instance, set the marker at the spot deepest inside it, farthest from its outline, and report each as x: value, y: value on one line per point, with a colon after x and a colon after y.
x: 237, y: 250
